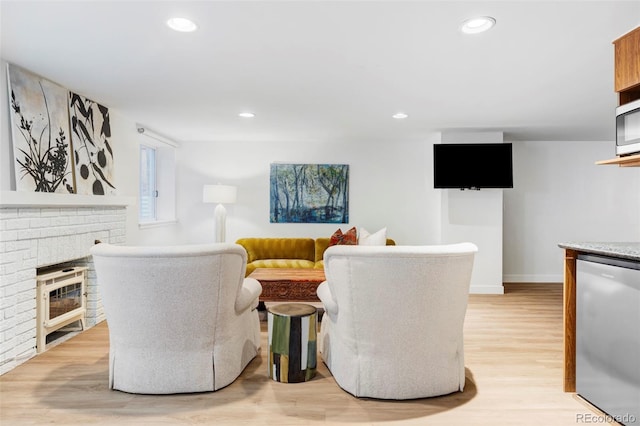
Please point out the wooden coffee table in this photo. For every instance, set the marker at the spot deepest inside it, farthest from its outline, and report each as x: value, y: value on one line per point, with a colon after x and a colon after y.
x: 291, y: 285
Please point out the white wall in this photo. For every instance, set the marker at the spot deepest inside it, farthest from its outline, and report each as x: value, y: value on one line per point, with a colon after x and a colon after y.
x: 390, y: 186
x: 476, y: 216
x: 560, y: 195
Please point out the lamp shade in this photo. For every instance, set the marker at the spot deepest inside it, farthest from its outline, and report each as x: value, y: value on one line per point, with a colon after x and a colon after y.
x: 222, y: 194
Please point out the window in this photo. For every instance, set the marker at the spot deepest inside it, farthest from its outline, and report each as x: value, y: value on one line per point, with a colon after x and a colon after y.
x: 148, y: 191
x: 157, y: 192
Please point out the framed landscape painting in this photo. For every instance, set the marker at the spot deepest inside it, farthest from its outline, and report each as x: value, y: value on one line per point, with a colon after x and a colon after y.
x: 309, y: 193
x: 40, y: 133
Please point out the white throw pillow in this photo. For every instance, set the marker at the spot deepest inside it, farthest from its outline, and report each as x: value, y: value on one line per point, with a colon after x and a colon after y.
x: 378, y: 238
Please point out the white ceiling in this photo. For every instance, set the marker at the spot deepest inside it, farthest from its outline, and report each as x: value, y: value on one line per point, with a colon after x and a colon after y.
x: 332, y: 70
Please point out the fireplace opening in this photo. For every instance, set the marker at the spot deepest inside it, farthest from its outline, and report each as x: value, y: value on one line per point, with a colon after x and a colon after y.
x: 61, y: 304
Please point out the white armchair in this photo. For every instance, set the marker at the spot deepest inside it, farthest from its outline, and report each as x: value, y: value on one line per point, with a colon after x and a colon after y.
x: 393, y: 321
x: 181, y: 318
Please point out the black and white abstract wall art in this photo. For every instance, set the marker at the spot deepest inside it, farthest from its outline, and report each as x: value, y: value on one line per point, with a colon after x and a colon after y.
x: 40, y: 132
x: 92, y: 152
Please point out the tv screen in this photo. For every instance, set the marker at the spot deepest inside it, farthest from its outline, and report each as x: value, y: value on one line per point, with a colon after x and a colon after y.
x: 472, y: 165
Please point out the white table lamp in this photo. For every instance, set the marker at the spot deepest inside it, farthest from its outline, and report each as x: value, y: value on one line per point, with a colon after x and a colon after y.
x: 221, y: 194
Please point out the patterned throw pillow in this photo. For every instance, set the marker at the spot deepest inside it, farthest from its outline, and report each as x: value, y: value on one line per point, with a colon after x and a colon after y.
x: 349, y: 238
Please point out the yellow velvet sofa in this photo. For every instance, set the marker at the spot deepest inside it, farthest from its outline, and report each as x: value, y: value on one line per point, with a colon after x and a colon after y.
x: 286, y: 252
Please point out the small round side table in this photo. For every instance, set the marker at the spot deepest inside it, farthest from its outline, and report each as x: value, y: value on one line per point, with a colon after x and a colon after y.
x: 292, y: 342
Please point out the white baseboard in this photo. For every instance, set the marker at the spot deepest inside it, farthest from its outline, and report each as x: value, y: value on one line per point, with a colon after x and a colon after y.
x: 486, y: 289
x: 533, y: 278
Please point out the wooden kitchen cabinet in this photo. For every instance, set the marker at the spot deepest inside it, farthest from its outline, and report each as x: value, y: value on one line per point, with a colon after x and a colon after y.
x: 627, y: 83
x: 627, y: 66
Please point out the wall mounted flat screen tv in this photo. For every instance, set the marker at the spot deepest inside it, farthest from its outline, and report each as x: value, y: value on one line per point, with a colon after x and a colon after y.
x: 473, y: 165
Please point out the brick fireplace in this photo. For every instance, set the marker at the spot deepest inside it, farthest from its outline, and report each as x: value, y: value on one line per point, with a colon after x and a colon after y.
x: 33, y: 236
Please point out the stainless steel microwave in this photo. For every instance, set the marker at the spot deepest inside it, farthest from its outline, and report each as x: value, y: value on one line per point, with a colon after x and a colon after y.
x: 628, y: 128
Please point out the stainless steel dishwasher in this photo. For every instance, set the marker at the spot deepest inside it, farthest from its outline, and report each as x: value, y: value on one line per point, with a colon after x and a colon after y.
x: 608, y: 335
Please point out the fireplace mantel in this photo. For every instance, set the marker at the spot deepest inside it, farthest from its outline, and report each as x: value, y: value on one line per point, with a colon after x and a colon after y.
x: 44, y: 199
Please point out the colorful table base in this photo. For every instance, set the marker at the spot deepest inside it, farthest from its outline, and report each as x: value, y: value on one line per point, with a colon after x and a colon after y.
x: 292, y: 342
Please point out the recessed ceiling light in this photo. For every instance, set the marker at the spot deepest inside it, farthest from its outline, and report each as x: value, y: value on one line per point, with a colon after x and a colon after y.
x: 400, y: 115
x: 477, y: 25
x: 246, y: 115
x: 182, y: 24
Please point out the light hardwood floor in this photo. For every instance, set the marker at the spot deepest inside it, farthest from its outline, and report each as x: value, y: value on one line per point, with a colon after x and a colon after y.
x: 513, y: 345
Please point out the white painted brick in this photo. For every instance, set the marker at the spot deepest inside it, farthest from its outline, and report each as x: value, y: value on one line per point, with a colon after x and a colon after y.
x: 27, y: 275
x: 8, y: 302
x: 10, y: 332
x: 51, y: 232
x: 28, y: 255
x: 27, y: 286
x: 26, y: 305
x: 33, y: 248
x: 28, y: 234
x: 8, y: 269
x: 10, y: 257
x: 117, y: 232
x: 22, y: 223
x: 9, y: 246
x: 50, y: 212
x: 99, y: 227
x: 7, y: 349
x: 26, y: 347
x: 8, y: 235
x: 10, y: 290
x: 25, y: 317
x: 24, y: 296
x: 41, y: 222
x: 102, y: 236
x: 28, y: 212
x: 44, y: 251
x: 8, y: 279
x: 60, y: 221
x: 9, y: 312
x: 26, y: 329
x: 8, y: 213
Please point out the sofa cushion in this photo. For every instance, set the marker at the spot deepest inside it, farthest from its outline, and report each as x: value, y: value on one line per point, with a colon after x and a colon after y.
x: 278, y: 248
x: 283, y: 263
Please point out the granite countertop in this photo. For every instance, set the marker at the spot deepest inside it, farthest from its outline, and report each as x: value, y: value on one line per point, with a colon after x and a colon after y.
x: 621, y: 250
